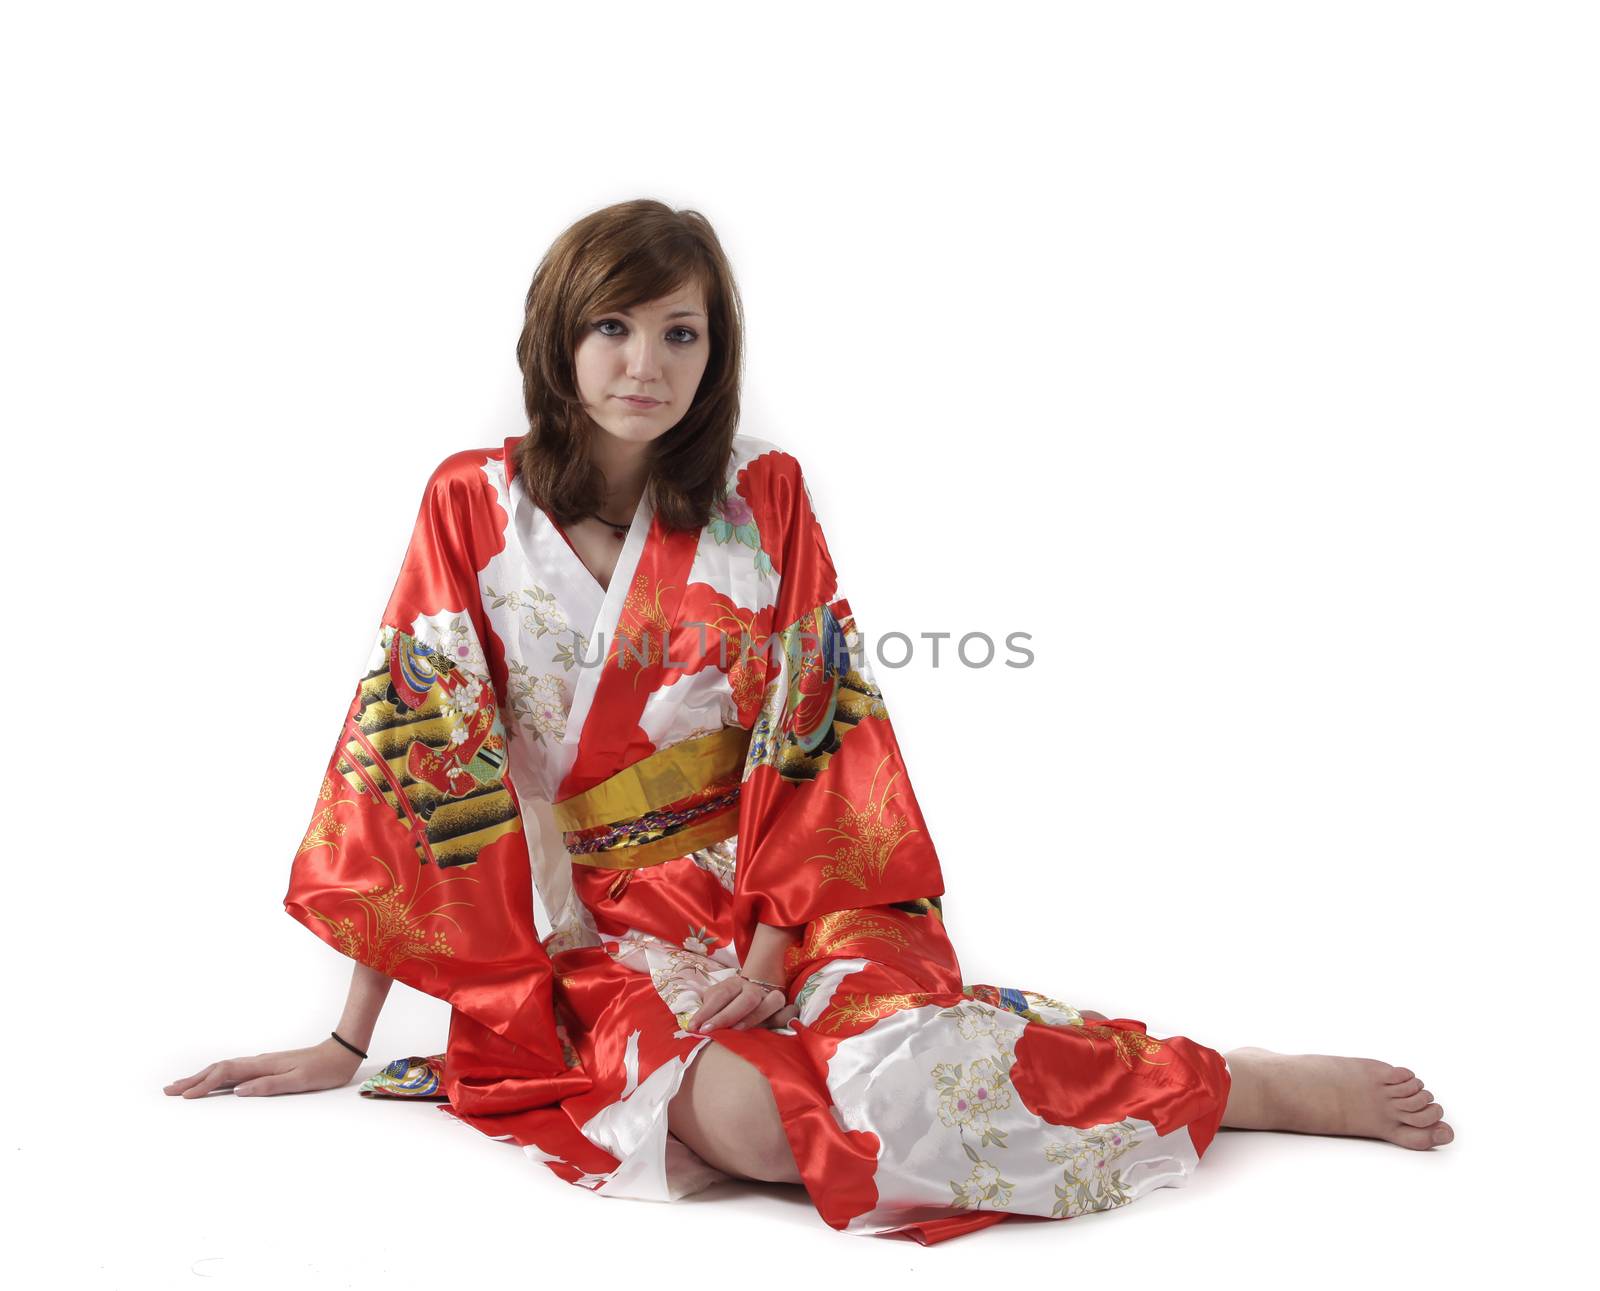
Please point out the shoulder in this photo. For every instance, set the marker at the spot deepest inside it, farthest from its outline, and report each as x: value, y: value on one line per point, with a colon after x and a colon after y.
x: 772, y: 486
x: 761, y: 460
x: 748, y: 447
x: 471, y: 484
x: 460, y: 527
x: 466, y: 503
x: 468, y: 468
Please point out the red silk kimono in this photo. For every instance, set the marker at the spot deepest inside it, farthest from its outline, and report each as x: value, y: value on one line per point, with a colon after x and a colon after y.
x: 564, y: 808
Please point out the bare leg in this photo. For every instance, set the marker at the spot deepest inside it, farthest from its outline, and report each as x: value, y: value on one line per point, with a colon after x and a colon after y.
x: 1320, y: 1094
x: 724, y: 1111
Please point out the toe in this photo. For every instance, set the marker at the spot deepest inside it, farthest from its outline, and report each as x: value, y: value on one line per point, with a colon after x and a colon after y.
x: 1415, y: 1103
x: 1406, y: 1088
x: 1442, y: 1134
x: 1418, y: 1140
x: 1427, y: 1116
x: 1398, y: 1074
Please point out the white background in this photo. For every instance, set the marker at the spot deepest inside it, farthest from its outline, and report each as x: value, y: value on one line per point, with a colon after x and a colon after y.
x: 1244, y: 354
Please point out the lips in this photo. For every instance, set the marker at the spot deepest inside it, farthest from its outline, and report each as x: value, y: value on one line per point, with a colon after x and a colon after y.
x: 638, y: 401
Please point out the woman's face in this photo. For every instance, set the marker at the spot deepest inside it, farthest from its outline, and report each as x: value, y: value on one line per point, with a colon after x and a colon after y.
x: 657, y: 351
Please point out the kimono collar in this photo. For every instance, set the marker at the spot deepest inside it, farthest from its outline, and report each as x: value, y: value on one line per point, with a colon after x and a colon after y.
x: 511, y: 455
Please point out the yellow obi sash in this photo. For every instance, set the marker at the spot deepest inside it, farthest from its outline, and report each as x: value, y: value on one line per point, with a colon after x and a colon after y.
x: 676, y: 801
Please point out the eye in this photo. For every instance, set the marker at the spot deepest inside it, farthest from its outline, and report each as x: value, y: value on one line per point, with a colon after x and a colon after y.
x: 679, y: 335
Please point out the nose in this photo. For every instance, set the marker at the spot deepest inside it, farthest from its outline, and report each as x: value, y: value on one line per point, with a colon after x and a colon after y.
x: 644, y: 360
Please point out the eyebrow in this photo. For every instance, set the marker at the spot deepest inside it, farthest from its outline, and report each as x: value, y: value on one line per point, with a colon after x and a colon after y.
x: 677, y: 313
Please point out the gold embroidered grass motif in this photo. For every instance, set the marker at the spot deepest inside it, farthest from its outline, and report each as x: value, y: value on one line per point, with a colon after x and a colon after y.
x: 849, y: 1010
x: 640, y: 613
x: 323, y: 829
x: 1128, y: 1044
x: 826, y: 934
x: 865, y: 837
x: 393, y: 933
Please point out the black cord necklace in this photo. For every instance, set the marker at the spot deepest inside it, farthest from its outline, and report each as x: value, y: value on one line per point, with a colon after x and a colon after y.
x: 621, y: 530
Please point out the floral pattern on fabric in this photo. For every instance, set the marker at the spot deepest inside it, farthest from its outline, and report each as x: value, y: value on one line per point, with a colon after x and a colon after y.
x: 733, y: 521
x: 542, y: 616
x: 681, y: 974
x: 915, y: 1104
x: 539, y: 703
x: 452, y: 637
x: 1090, y: 1182
x: 1026, y: 1004
x: 983, y: 1185
x: 969, y: 1092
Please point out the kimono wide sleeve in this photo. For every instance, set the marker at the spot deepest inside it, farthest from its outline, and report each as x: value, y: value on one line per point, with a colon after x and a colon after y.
x: 415, y: 861
x: 827, y: 817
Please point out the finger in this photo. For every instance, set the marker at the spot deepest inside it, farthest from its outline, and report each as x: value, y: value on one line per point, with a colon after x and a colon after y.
x: 735, y: 1009
x: 707, y: 1005
x: 281, y: 1083
x: 188, y: 1083
x: 715, y: 998
x: 769, y: 1003
x: 783, y: 1017
x: 219, y: 1075
x: 225, y: 1075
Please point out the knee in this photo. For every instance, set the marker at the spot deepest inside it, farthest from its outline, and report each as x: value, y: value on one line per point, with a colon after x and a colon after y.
x: 767, y: 1155
x: 750, y: 1132
x: 765, y: 1160
x: 725, y: 1112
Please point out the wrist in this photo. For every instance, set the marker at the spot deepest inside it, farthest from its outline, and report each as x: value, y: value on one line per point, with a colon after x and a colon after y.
x: 345, y: 1045
x: 769, y: 949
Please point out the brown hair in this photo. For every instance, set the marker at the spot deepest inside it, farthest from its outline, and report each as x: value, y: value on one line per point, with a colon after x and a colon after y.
x: 616, y: 258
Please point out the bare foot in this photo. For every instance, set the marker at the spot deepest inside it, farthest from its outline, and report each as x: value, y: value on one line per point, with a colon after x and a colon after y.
x: 1314, y: 1093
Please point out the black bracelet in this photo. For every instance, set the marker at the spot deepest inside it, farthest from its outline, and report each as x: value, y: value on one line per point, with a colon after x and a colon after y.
x: 346, y: 1043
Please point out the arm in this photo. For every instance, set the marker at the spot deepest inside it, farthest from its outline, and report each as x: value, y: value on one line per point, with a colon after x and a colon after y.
x: 326, y: 1065
x: 378, y: 875
x: 385, y: 874
x: 827, y: 820
x: 368, y: 990
x: 767, y: 949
